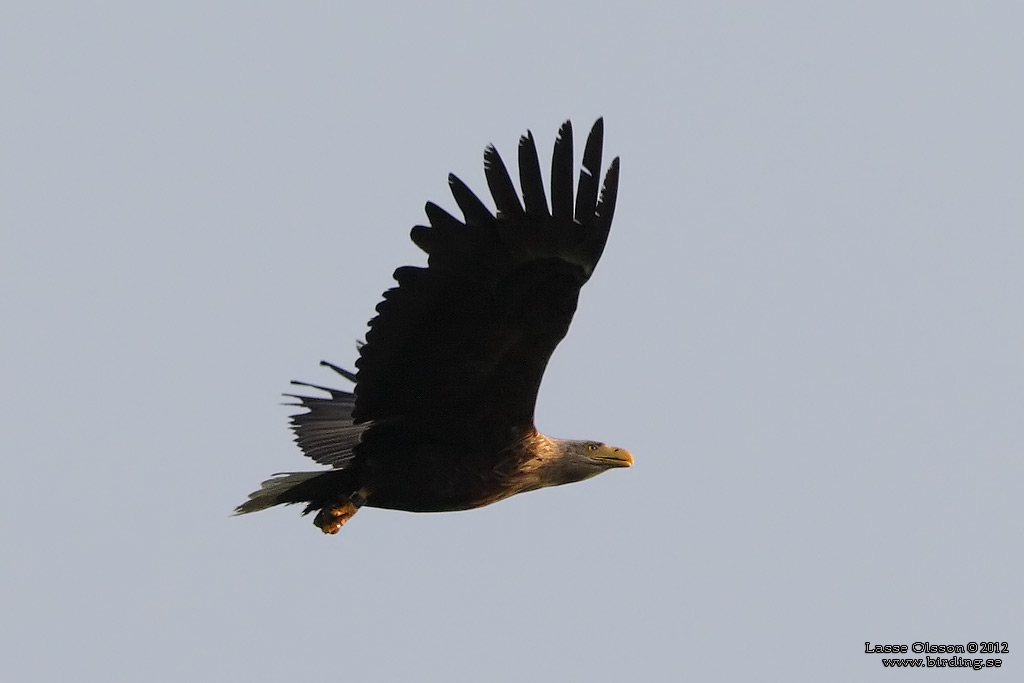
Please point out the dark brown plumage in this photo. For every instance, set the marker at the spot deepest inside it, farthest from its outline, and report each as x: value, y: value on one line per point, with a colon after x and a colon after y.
x: 441, y: 417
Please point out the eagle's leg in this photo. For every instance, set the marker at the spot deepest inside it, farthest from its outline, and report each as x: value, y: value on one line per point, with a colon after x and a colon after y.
x: 333, y: 517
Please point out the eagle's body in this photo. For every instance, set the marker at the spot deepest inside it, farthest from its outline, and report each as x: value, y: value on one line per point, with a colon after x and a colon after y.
x: 441, y: 417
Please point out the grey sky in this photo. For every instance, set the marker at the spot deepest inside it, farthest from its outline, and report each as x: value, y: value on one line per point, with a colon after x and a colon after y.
x: 806, y: 327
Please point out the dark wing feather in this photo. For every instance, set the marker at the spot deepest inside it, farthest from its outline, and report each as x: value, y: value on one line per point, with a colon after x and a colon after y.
x: 586, y: 194
x: 530, y: 178
x: 459, y: 348
x: 500, y: 185
x: 472, y: 208
x: 561, y: 174
x: 326, y: 432
x: 602, y: 218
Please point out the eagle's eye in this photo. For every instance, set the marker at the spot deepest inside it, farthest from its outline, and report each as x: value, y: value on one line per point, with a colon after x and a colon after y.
x: 591, y: 447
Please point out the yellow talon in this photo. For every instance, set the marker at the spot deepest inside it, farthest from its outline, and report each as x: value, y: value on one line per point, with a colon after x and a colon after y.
x: 333, y: 517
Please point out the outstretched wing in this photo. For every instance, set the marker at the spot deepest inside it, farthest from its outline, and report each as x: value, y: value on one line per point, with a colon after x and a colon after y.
x: 326, y: 431
x: 464, y: 341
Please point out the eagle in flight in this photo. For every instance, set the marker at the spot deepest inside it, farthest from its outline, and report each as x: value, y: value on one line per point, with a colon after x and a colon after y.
x: 441, y: 416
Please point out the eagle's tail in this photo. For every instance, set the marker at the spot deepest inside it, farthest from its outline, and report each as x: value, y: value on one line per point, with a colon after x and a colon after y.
x: 316, y: 489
